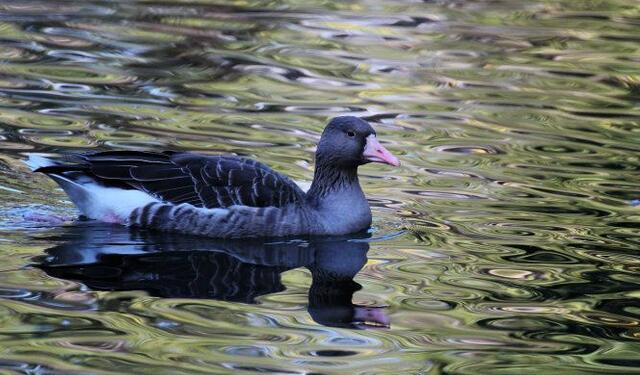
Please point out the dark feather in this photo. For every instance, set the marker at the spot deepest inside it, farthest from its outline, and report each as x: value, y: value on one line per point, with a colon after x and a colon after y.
x: 176, y: 177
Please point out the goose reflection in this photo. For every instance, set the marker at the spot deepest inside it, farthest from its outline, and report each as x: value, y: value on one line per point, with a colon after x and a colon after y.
x: 105, y: 257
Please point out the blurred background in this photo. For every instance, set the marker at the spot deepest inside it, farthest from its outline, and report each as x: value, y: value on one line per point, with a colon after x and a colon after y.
x: 506, y: 243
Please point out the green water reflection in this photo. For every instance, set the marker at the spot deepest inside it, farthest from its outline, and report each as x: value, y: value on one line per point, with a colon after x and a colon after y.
x: 517, y: 122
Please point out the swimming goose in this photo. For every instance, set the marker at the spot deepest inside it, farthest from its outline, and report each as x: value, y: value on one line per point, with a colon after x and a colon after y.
x: 226, y: 196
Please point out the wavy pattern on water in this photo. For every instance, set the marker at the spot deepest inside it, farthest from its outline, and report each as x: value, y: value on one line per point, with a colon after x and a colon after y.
x: 517, y: 124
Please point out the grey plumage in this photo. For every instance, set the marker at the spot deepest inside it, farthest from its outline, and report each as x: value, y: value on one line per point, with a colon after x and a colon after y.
x: 232, y: 222
x: 229, y: 196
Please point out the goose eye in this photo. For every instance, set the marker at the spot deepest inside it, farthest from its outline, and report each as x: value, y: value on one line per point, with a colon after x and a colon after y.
x: 351, y: 134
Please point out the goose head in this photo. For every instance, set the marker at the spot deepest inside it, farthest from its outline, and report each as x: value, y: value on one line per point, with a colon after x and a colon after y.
x: 348, y: 142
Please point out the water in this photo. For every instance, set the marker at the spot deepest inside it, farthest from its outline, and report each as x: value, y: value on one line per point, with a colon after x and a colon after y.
x: 518, y: 126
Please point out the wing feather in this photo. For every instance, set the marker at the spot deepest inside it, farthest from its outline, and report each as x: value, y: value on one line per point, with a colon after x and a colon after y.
x: 204, y: 181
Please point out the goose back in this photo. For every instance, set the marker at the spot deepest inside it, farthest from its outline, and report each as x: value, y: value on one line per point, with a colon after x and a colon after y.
x: 199, y: 180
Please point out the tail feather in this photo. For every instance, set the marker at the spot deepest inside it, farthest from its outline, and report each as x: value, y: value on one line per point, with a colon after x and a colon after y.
x: 79, y: 194
x: 94, y: 199
x: 36, y: 161
x: 56, y: 169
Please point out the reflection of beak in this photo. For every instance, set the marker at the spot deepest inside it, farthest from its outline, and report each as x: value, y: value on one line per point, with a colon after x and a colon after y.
x: 375, y: 152
x: 371, y: 317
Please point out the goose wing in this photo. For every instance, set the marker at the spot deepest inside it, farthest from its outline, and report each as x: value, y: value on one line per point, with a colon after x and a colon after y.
x: 203, y: 181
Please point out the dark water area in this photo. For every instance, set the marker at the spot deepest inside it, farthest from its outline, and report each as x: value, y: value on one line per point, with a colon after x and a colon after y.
x: 506, y: 243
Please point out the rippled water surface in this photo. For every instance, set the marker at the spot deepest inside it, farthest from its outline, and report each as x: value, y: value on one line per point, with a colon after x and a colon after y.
x: 507, y: 243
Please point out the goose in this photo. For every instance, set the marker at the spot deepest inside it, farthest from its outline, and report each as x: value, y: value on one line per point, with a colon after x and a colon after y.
x: 226, y: 196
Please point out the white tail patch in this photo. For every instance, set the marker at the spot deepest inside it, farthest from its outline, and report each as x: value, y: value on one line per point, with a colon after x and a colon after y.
x: 94, y: 200
x: 99, y: 202
x: 36, y: 161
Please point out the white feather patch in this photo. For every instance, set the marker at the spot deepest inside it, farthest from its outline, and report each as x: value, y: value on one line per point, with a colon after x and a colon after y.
x: 113, y: 204
x: 304, y: 185
x: 36, y: 161
x: 102, y: 203
x: 95, y: 201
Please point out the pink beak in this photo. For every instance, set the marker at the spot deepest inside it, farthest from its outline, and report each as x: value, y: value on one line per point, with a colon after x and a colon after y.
x: 375, y: 152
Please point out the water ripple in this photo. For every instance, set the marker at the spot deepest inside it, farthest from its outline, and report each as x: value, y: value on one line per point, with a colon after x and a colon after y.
x: 516, y: 123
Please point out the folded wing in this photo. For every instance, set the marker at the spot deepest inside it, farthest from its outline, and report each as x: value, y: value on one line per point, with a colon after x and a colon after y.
x: 203, y: 181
